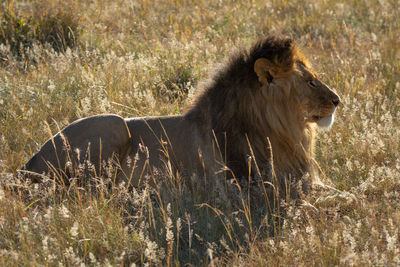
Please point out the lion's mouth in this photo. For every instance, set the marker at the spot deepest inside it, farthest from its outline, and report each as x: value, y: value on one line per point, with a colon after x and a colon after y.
x: 324, y: 122
x: 317, y: 118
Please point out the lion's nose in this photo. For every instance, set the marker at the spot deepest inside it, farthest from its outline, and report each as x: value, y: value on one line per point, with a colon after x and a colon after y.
x: 336, y: 102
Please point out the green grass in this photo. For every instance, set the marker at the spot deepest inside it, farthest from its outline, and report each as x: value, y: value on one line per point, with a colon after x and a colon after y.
x: 144, y: 58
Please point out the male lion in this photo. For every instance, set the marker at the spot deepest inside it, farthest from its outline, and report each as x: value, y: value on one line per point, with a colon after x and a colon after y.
x: 264, y: 102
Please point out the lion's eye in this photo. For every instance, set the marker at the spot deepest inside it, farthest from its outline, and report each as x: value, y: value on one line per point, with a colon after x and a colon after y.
x: 312, y: 84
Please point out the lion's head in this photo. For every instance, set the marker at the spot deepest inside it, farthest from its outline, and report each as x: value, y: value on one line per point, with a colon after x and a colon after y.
x: 288, y: 81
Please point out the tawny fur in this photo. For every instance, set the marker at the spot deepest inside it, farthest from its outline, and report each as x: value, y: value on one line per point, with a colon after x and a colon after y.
x: 263, y: 101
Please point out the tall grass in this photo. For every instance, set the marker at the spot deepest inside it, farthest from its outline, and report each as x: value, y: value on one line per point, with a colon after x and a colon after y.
x: 143, y: 58
x: 55, y: 23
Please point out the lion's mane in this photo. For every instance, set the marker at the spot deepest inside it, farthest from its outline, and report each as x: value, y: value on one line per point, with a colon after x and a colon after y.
x: 232, y: 104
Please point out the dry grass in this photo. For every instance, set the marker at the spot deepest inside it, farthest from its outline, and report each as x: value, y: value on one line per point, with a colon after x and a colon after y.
x: 135, y: 57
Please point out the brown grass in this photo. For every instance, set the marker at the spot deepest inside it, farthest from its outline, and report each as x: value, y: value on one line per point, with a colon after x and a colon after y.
x: 131, y: 58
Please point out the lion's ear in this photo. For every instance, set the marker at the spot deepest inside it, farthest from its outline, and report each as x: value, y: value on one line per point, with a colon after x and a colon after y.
x: 265, y: 70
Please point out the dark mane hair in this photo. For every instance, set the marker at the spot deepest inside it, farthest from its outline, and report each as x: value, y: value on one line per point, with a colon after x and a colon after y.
x: 229, y: 98
x: 239, y: 67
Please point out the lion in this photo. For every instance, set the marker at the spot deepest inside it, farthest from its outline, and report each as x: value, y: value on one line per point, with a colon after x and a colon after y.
x: 256, y: 116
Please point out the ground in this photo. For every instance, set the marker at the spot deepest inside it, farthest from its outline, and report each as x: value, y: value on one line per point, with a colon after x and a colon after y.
x: 63, y: 60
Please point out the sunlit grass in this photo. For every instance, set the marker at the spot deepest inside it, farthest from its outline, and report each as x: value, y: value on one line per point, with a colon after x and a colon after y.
x: 130, y: 58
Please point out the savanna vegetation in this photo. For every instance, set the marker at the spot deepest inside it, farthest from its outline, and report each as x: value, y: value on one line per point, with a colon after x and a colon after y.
x: 64, y: 60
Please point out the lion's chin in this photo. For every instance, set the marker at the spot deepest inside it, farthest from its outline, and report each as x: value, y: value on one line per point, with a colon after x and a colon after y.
x: 326, y: 122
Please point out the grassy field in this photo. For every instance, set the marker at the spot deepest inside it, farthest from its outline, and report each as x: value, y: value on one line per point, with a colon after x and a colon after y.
x: 64, y: 60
